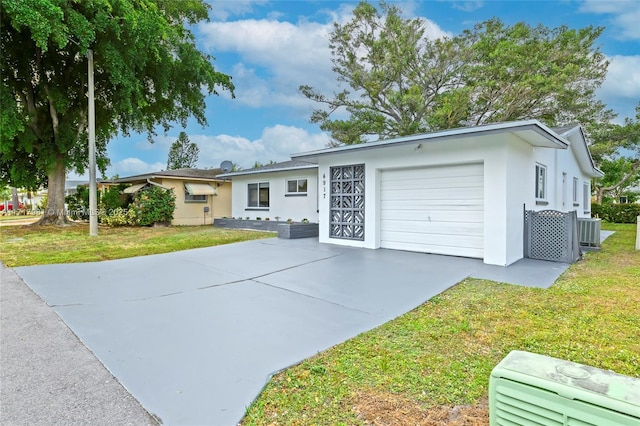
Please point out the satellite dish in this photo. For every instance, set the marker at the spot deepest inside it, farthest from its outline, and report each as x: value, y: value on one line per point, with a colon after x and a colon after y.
x: 226, y: 166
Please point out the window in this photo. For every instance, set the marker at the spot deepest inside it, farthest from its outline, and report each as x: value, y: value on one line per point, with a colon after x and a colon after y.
x: 586, y: 196
x: 297, y: 186
x: 258, y: 195
x: 188, y: 198
x: 541, y: 182
x: 197, y: 192
x: 575, y: 192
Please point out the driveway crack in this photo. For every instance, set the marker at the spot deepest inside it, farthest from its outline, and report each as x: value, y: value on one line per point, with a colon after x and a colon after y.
x: 351, y: 308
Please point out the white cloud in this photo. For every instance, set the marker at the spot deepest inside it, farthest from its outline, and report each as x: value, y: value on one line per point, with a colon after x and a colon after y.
x: 276, y: 143
x: 276, y: 57
x: 623, y: 78
x: 467, y: 6
x: 625, y: 15
x: 133, y: 166
x: 621, y: 89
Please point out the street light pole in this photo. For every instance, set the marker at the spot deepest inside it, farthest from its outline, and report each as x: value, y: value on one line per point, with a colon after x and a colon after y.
x: 93, y: 196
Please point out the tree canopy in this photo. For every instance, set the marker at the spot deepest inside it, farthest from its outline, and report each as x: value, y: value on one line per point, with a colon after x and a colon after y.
x: 183, y: 153
x: 616, y: 151
x: 148, y: 73
x: 397, y: 81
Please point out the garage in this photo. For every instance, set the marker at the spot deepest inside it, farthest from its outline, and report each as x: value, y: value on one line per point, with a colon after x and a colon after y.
x: 433, y: 209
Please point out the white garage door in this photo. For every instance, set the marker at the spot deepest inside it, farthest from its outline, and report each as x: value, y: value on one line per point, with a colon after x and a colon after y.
x: 433, y: 210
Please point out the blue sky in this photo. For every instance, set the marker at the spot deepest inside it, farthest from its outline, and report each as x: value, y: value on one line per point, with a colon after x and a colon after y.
x: 272, y: 47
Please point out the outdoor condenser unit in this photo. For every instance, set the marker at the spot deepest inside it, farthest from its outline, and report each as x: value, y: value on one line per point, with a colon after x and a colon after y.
x: 589, y: 232
x: 530, y: 389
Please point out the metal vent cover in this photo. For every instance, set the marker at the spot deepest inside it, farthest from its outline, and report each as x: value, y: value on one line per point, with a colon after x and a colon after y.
x: 589, y: 232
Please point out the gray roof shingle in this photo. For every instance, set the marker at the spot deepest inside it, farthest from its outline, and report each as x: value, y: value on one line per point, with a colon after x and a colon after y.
x: 275, y: 167
x: 178, y: 173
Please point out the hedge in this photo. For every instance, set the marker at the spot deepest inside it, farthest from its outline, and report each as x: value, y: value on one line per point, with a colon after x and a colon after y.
x: 616, y: 213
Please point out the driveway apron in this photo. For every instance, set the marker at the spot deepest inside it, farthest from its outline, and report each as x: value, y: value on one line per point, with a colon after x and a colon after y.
x: 195, y: 335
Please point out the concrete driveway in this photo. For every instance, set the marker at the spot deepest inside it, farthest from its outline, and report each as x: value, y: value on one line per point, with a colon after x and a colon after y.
x: 195, y: 335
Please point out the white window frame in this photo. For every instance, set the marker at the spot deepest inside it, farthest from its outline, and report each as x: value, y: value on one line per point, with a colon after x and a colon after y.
x: 541, y: 174
x: 297, y: 191
x: 586, y: 196
x: 576, y: 202
x: 260, y: 185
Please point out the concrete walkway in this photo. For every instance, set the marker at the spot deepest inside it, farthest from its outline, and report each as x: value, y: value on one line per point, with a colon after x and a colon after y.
x: 47, y: 376
x: 195, y: 335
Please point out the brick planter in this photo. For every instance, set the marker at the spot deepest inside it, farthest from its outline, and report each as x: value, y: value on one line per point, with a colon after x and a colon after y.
x: 284, y: 229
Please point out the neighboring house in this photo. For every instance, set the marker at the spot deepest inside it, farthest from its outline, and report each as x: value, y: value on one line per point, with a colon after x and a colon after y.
x: 200, y: 195
x: 287, y: 190
x: 457, y: 192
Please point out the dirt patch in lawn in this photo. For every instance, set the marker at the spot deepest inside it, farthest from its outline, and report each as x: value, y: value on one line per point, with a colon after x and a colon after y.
x: 382, y: 409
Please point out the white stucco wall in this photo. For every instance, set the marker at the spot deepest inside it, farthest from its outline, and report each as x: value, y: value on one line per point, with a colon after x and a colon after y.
x: 281, y: 204
x: 509, y: 185
x: 559, y: 192
x: 501, y: 155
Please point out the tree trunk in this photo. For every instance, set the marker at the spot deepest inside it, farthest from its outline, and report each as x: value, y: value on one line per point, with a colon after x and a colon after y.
x: 55, y: 212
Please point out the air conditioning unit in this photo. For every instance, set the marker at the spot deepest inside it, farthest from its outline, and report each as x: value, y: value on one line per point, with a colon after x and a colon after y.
x: 589, y: 232
x: 531, y: 389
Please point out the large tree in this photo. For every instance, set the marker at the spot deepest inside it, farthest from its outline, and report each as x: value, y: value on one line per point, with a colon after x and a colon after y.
x: 616, y: 151
x: 148, y: 73
x: 397, y: 81
x: 183, y: 153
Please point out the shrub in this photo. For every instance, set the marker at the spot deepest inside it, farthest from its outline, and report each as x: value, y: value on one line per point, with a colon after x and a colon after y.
x: 153, y: 205
x: 597, y: 210
x: 43, y: 202
x: 78, y: 203
x: 616, y: 213
x: 120, y: 217
x: 112, y: 198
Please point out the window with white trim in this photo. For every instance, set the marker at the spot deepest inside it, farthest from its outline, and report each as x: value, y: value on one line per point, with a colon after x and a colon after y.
x: 258, y: 195
x: 297, y: 186
x: 575, y: 192
x: 586, y: 196
x: 541, y: 182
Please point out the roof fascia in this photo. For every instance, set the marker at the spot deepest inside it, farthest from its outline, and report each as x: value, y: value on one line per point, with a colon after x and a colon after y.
x: 518, y: 127
x: 255, y: 172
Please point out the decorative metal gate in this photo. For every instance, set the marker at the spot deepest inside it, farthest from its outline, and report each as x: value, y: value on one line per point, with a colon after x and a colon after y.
x: 551, y: 235
x: 347, y: 202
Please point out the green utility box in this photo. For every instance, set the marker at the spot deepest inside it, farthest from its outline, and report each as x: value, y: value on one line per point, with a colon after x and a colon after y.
x: 532, y: 389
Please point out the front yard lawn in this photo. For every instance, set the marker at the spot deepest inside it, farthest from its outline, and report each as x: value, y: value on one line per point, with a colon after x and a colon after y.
x: 39, y: 245
x: 432, y: 365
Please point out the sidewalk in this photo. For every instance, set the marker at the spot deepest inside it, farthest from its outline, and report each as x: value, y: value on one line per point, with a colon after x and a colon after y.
x: 47, y: 375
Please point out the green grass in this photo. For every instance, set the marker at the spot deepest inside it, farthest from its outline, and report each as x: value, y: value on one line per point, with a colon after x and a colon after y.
x: 39, y: 245
x: 10, y: 217
x: 441, y: 353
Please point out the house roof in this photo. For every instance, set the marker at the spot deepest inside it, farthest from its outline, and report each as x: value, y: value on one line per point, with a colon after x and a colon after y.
x: 580, y: 148
x: 275, y: 167
x: 190, y: 174
x: 532, y: 131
